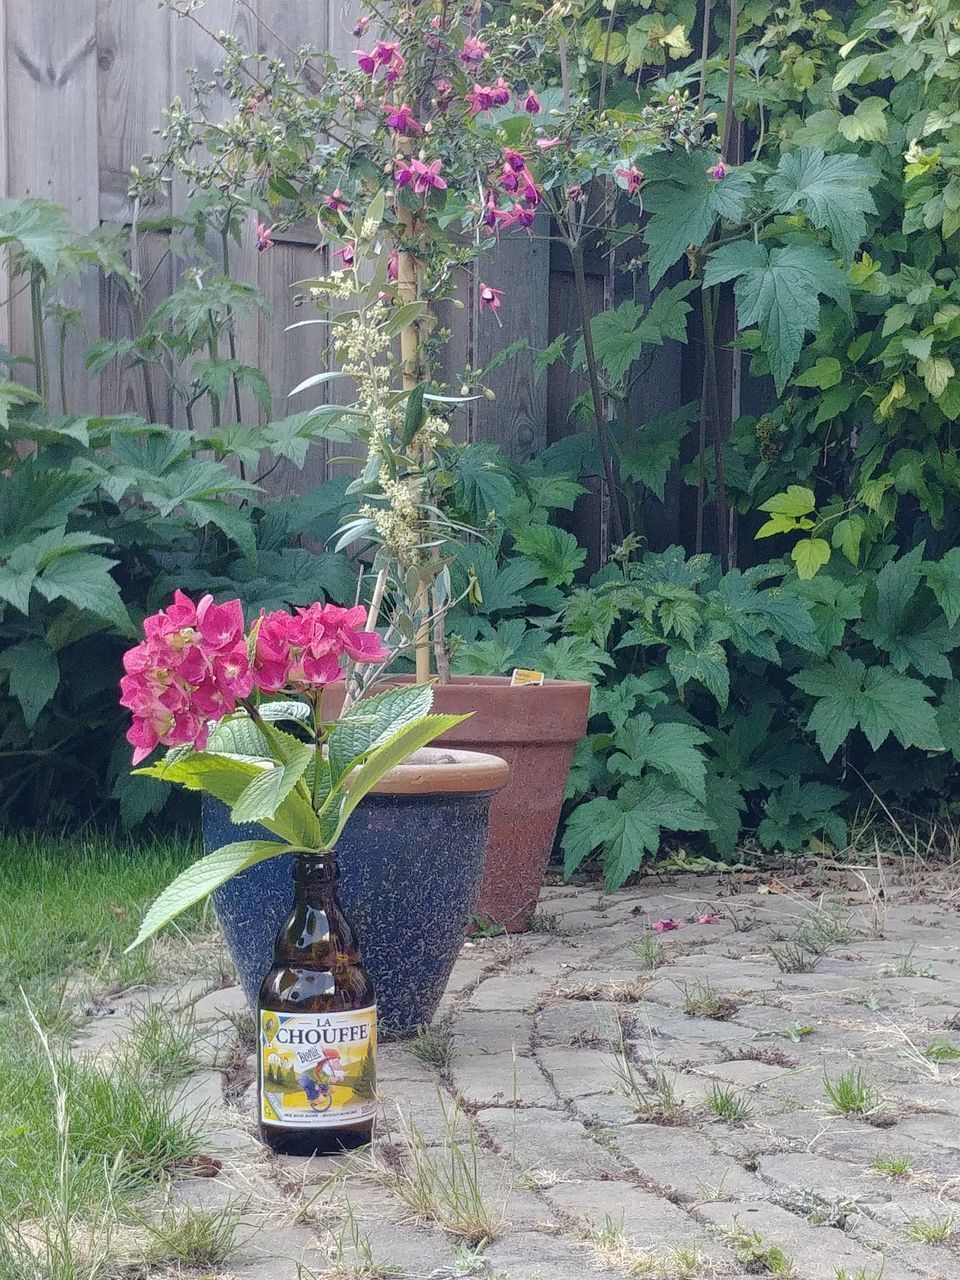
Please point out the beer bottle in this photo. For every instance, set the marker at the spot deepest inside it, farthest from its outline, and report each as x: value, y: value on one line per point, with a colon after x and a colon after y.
x: 317, y: 1021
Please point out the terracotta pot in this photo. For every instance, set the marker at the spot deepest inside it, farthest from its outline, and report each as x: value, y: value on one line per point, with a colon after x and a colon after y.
x: 534, y: 728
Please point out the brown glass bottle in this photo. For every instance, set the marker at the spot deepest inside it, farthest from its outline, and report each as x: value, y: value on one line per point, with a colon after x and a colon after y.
x: 317, y: 1026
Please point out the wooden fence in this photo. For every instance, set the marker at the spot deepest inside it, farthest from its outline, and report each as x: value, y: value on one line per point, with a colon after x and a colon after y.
x: 82, y: 87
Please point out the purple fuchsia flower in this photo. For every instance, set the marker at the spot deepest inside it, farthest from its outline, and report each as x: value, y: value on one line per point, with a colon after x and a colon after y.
x: 346, y: 255
x: 531, y: 104
x: 426, y: 176
x: 360, y: 26
x: 514, y: 160
x: 367, y: 62
x: 401, y: 120
x: 633, y: 177
x: 501, y: 93
x: 264, y: 237
x: 335, y: 202
x: 718, y: 171
x: 473, y: 50
x: 490, y: 299
x: 403, y: 173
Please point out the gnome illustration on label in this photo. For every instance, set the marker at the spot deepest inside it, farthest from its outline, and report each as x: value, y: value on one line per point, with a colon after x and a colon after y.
x: 318, y: 1080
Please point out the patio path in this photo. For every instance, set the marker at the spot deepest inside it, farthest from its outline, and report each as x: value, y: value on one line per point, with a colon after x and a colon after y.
x: 608, y: 1099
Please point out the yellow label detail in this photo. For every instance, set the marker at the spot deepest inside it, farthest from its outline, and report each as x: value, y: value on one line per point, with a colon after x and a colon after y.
x: 521, y: 676
x: 318, y: 1069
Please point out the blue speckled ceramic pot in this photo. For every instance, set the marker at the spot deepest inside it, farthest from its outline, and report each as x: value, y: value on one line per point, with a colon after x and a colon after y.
x: 410, y: 871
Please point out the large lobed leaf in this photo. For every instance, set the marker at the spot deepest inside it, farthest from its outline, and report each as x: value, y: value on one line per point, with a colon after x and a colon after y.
x: 833, y: 191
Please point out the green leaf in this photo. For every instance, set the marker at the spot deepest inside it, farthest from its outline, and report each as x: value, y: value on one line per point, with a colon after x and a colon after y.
x: 657, y: 448
x: 684, y: 202
x: 33, y: 675
x: 943, y: 579
x: 12, y: 395
x: 481, y: 485
x: 810, y: 555
x: 235, y: 523
x: 795, y: 501
x: 573, y: 658
x: 201, y: 878
x: 936, y: 373
x: 779, y: 290
x: 867, y: 124
x: 896, y: 621
x: 669, y: 748
x: 264, y: 795
x: 413, y: 416
x: 372, y: 721
x: 706, y: 663
x: 847, y: 535
x: 833, y: 191
x: 84, y: 579
x: 826, y: 373
x: 556, y: 551
x: 227, y: 777
x: 410, y: 738
x: 628, y: 828
x: 876, y: 700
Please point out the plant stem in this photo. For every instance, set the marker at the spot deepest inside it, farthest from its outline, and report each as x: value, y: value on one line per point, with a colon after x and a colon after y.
x: 41, y: 376
x: 62, y: 363
x: 583, y: 302
x: 713, y: 403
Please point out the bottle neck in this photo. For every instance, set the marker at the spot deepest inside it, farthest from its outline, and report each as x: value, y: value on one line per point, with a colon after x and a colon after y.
x: 316, y: 932
x: 315, y: 875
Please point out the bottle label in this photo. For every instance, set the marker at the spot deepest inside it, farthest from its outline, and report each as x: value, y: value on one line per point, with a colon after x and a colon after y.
x: 318, y: 1070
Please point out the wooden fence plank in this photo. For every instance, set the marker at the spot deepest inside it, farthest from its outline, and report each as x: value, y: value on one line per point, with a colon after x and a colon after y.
x: 52, y: 137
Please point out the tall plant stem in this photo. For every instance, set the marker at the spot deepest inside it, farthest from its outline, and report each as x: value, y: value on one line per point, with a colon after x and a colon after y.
x: 712, y: 399
x: 731, y: 73
x: 596, y: 395
x: 704, y: 54
x: 40, y: 372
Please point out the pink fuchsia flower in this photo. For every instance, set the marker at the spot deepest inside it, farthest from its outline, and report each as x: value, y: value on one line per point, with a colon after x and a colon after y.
x: 500, y: 93
x: 360, y: 26
x: 549, y: 144
x: 387, y: 54
x: 367, y: 62
x: 427, y: 176
x: 708, y: 917
x: 401, y: 120
x: 346, y: 255
x: 480, y: 99
x: 718, y: 171
x: 664, y: 926
x: 531, y: 104
x: 473, y: 50
x: 444, y: 92
x: 335, y: 202
x: 490, y: 300
x: 264, y: 237
x: 633, y: 177
x: 403, y: 173
x: 393, y: 265
x: 514, y: 160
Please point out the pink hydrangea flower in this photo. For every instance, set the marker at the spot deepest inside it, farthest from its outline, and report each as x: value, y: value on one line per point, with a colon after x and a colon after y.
x: 303, y: 650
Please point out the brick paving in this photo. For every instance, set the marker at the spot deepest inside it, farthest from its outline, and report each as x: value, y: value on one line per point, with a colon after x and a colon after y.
x: 598, y: 1097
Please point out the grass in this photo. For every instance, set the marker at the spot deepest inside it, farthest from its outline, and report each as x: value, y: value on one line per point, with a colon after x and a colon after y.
x: 433, y: 1044
x: 192, y: 1237
x: 904, y: 966
x: 649, y: 951
x: 82, y: 1139
x: 703, y: 1001
x: 930, y: 1230
x: 941, y: 1050
x: 649, y: 1091
x: 71, y: 905
x: 851, y: 1095
x: 814, y: 938
x: 757, y: 1256
x: 612, y: 1250
x: 441, y: 1184
x: 892, y: 1166
x: 727, y: 1105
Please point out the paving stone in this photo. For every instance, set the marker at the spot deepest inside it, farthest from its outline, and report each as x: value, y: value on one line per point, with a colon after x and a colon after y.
x: 511, y: 991
x: 579, y: 1021
x: 537, y: 1256
x: 651, y: 1223
x: 486, y: 1034
x: 502, y: 1079
x: 818, y: 1253
x: 219, y: 1003
x: 546, y: 1140
x: 685, y: 1163
x: 576, y: 1072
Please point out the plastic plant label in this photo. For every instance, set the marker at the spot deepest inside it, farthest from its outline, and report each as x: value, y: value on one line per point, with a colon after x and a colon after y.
x: 521, y: 676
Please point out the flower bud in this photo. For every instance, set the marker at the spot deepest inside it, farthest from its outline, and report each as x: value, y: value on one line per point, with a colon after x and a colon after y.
x: 489, y: 393
x: 464, y: 390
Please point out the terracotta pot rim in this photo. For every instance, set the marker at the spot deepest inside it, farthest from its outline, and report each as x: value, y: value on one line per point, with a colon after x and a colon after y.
x: 445, y: 771
x: 495, y: 682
